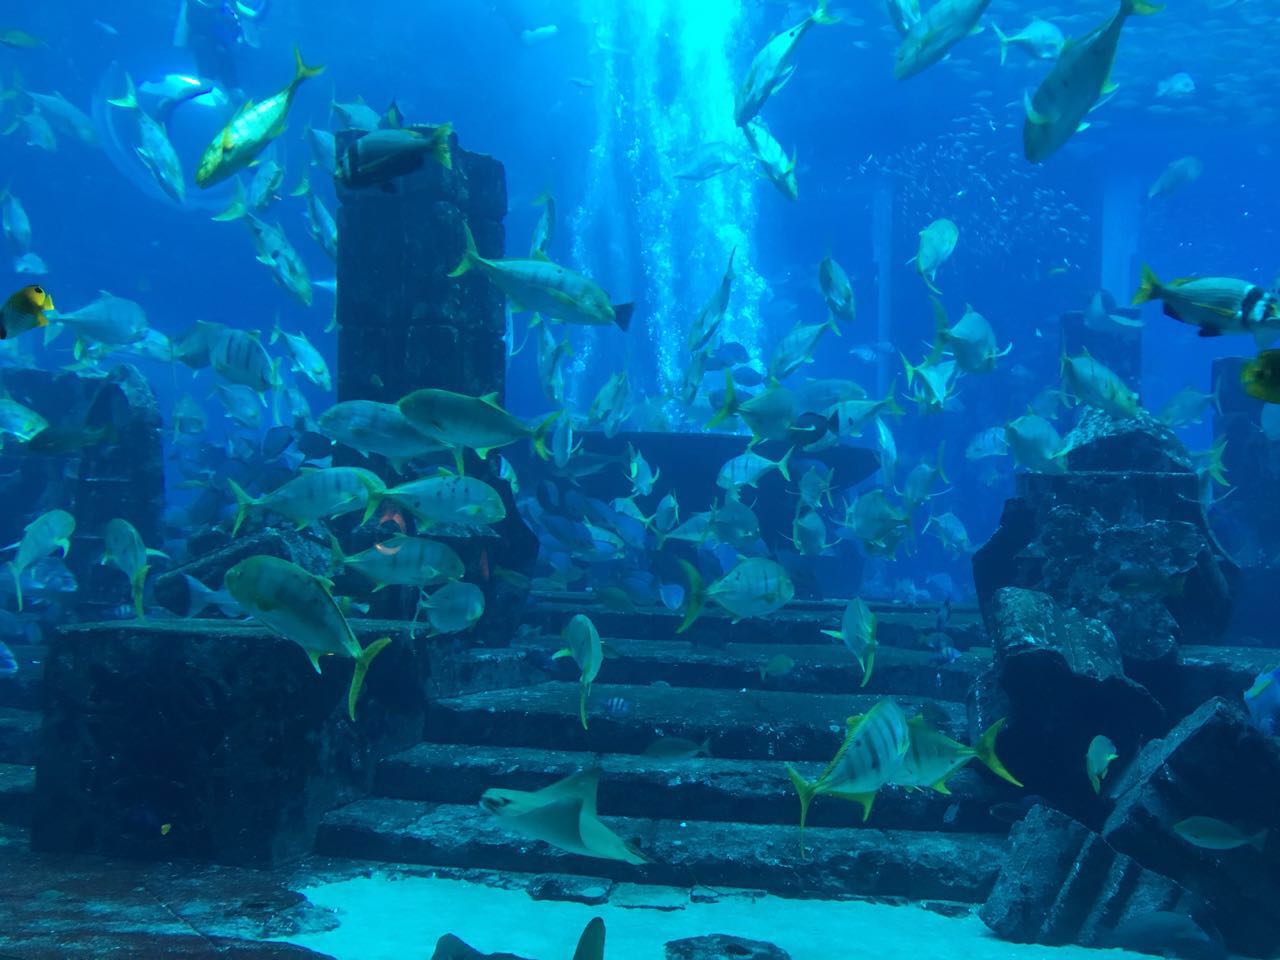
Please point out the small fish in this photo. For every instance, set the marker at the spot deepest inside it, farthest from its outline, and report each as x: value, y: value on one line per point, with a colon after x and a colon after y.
x: 582, y: 642
x: 778, y: 665
x: 1098, y: 759
x: 618, y: 707
x: 677, y: 748
x: 1263, y: 702
x: 1213, y: 834
x: 858, y: 633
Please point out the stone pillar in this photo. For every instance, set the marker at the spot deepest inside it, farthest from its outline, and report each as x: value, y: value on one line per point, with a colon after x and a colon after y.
x: 403, y: 323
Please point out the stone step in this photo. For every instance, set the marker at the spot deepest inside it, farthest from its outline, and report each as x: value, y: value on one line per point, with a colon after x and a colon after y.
x: 746, y: 791
x: 19, y: 736
x: 828, y: 668
x: 798, y: 622
x: 24, y: 689
x: 865, y: 862
x: 17, y: 787
x: 746, y: 724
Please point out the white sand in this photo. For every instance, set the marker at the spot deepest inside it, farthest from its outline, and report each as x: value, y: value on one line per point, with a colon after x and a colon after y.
x: 390, y: 918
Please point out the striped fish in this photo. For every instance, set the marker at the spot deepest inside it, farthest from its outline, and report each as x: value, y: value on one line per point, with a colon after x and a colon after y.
x: 239, y: 357
x: 46, y: 533
x: 755, y: 587
x: 582, y: 642
x: 932, y: 757
x: 402, y: 560
x: 445, y: 499
x: 313, y: 495
x: 124, y: 548
x: 872, y: 754
x: 476, y: 423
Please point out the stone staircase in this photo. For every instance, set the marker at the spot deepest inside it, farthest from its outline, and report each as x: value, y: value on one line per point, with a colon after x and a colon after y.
x: 19, y: 734
x: 726, y: 820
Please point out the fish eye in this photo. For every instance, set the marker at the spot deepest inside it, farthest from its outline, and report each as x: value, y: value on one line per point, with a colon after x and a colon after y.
x: 38, y: 290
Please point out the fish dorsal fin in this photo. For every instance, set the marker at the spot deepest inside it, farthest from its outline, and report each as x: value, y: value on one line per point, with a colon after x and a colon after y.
x: 591, y: 943
x: 490, y: 398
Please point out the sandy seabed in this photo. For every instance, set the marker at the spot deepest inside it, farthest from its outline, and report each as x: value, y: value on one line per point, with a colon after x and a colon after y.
x: 385, y: 917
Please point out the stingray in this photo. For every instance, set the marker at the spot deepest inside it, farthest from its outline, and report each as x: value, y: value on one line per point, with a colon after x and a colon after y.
x: 563, y: 815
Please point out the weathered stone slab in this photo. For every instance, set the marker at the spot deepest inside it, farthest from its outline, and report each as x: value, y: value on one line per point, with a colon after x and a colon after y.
x: 862, y: 862
x: 1212, y: 764
x: 19, y: 735
x: 741, y: 723
x: 1062, y: 883
x: 219, y: 730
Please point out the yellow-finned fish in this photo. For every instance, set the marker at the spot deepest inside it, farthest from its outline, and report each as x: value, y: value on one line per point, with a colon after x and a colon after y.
x: 24, y: 311
x: 298, y: 606
x: 253, y: 127
x: 123, y: 547
x: 1080, y: 77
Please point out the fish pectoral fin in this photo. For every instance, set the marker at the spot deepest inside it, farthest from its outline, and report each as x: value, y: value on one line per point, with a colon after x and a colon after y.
x: 1033, y: 115
x: 314, y: 657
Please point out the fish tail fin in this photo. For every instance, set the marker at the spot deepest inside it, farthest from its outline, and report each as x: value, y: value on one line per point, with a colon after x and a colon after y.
x: 730, y: 406
x: 806, y: 792
x: 583, y: 691
x: 337, y: 559
x: 622, y: 315
x: 440, y: 145
x: 1259, y: 840
x: 986, y: 752
x: 868, y: 666
x: 361, y: 668
x: 237, y: 209
x: 539, y: 438
x: 1148, y: 289
x: 822, y: 16
x: 244, y: 503
x: 910, y: 368
x: 139, y: 581
x: 940, y: 324
x: 1142, y: 8
x: 697, y: 596
x: 470, y: 255
x: 942, y: 473
x: 130, y: 99
x: 17, y: 583
x: 1004, y: 43
x: 301, y: 71
x: 784, y: 465
x: 375, y: 500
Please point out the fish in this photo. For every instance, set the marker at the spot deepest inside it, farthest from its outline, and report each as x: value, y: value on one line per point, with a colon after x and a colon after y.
x: 313, y: 495
x: 25, y: 311
x: 377, y: 429
x: 773, y: 160
x: 544, y: 229
x: 937, y: 242
x: 1081, y: 75
x: 474, y: 423
x: 19, y: 422
x: 755, y: 587
x: 1176, y: 175
x: 1035, y: 444
x: 709, y: 160
x: 903, y: 14
x: 64, y: 115
x: 1260, y: 377
x: 1163, y: 933
x: 1262, y: 700
x: 939, y: 29
x: 678, y: 748
x: 1040, y: 39
x: 796, y: 348
x: 612, y: 404
x: 1097, y: 760
x: 874, y: 749
x: 837, y: 291
x: 1217, y: 305
x: 582, y: 643
x: 707, y: 324
x: 380, y: 156
x: 109, y: 319
x: 20, y: 40
x: 239, y: 357
x: 42, y: 536
x: 124, y: 549
x: 950, y: 531
x: 971, y: 340
x: 563, y: 815
x: 779, y: 665
x: 773, y: 66
x: 989, y: 443
x: 747, y: 470
x: 618, y: 707
x: 297, y: 605
x: 16, y: 223
x: 1209, y: 833
x: 455, y: 607
x: 9, y: 663
x: 932, y: 757
x: 1099, y: 386
x: 444, y: 500
x: 277, y: 254
x: 306, y: 359
x: 322, y: 227
x: 154, y: 148
x: 858, y: 634
x: 252, y: 128
x: 402, y: 560
x: 546, y: 288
